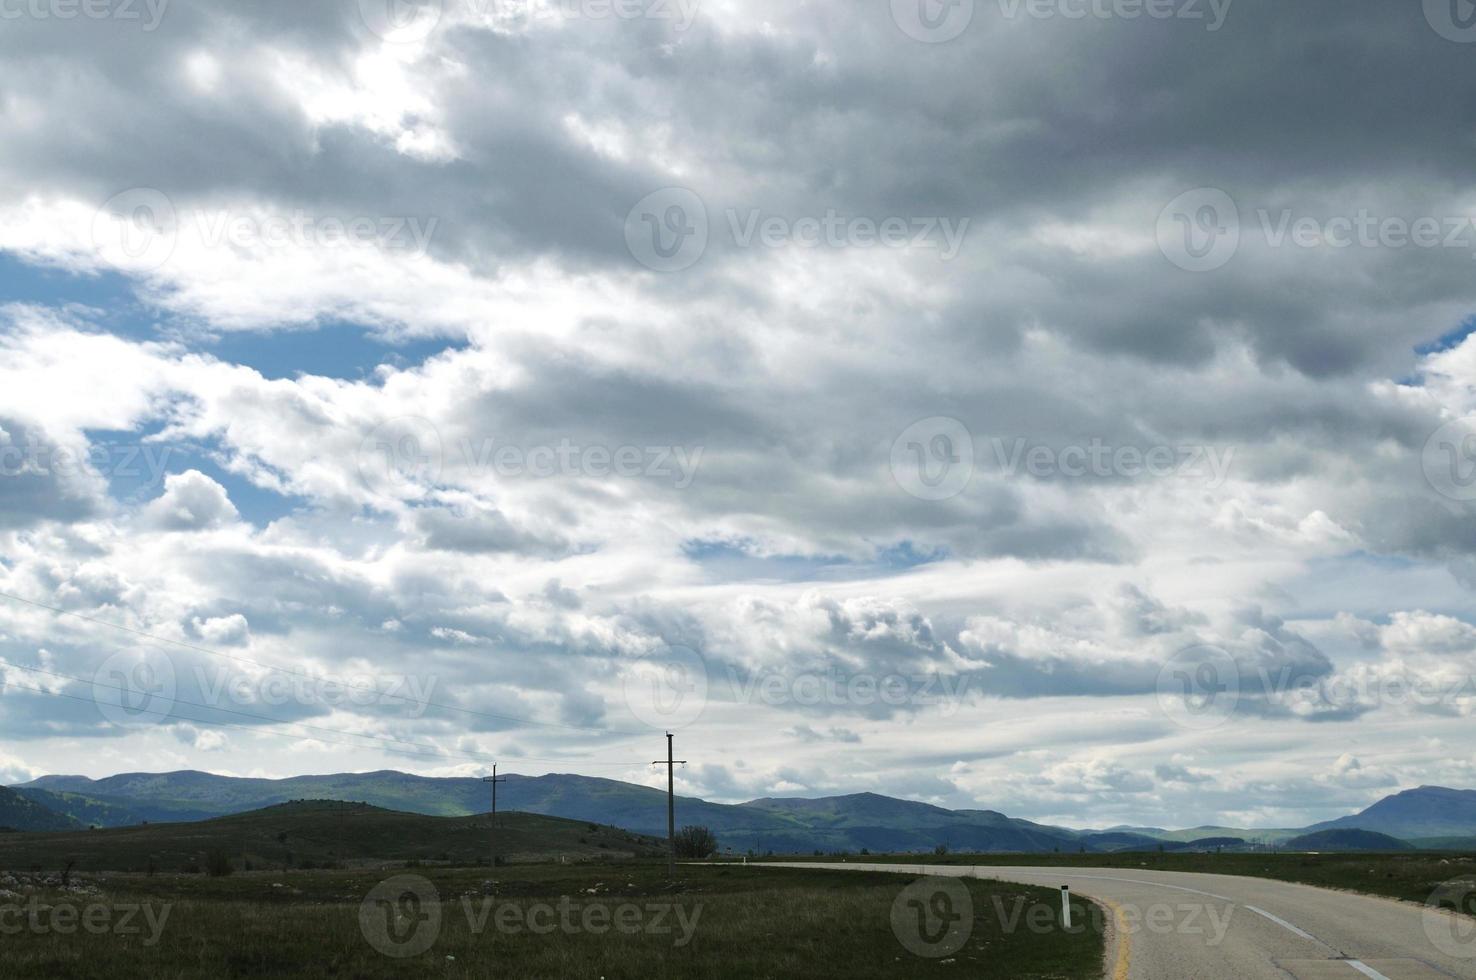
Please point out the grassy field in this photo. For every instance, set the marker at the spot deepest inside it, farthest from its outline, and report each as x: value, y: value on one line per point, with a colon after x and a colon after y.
x: 321, y: 833
x: 612, y: 920
x: 1409, y: 875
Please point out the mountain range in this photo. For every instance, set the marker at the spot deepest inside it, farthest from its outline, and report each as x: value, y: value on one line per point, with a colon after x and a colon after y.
x: 1428, y: 816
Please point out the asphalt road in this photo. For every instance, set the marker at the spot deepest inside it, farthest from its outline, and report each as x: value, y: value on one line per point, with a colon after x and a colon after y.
x: 1176, y: 926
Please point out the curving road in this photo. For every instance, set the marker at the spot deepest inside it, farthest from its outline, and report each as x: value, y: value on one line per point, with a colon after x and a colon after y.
x: 1176, y: 926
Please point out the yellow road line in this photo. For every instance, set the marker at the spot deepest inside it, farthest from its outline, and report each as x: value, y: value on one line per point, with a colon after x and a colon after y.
x: 1124, y: 941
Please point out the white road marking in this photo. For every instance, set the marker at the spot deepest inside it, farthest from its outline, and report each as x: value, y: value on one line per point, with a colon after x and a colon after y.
x: 1285, y: 924
x: 1141, y: 881
x: 1366, y: 970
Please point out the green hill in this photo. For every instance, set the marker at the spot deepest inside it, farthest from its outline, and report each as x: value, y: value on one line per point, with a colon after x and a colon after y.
x: 1346, y: 840
x: 1194, y: 834
x: 19, y: 812
x: 1445, y: 843
x: 321, y: 832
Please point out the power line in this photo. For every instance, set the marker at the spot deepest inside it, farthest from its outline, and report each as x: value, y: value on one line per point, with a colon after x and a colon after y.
x: 298, y: 673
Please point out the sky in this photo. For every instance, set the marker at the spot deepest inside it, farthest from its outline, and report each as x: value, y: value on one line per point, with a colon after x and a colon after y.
x: 1058, y: 407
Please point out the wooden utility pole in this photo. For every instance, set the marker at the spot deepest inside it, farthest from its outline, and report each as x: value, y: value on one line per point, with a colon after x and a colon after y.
x: 670, y: 806
x: 494, y: 780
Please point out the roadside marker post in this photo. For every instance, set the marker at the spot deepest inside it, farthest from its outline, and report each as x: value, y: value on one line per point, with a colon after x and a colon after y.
x: 1066, y: 905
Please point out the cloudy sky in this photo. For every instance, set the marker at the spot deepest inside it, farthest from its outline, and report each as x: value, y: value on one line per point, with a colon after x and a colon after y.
x: 1052, y: 406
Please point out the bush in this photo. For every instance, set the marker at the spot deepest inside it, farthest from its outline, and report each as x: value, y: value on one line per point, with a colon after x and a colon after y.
x: 217, y: 864
x: 695, y: 842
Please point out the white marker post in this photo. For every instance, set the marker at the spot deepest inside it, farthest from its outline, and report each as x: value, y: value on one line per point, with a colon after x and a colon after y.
x: 1066, y: 905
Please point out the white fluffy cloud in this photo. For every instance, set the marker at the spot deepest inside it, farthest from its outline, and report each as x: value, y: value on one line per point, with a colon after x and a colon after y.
x: 342, y: 358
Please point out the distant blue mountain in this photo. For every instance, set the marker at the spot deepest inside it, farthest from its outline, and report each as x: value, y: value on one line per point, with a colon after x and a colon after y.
x: 782, y: 825
x: 1429, y: 811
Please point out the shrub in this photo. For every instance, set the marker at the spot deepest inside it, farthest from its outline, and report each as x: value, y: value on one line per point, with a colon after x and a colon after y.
x: 695, y: 842
x: 217, y: 864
